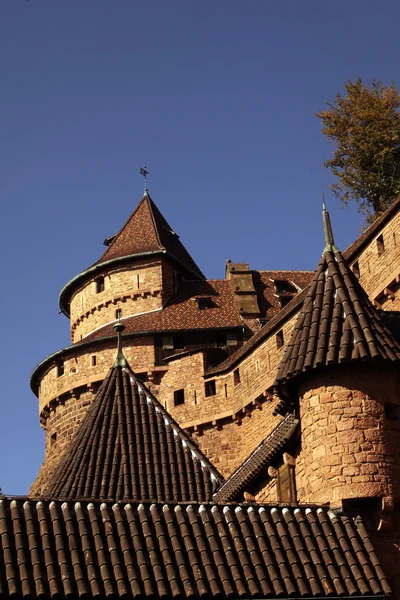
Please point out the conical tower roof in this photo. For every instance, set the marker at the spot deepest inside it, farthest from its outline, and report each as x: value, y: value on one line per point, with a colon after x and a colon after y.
x: 147, y: 231
x: 129, y: 448
x: 337, y: 323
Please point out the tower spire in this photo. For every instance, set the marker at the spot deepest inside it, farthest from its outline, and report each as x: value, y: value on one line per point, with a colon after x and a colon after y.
x: 328, y: 234
x: 145, y: 172
x: 120, y: 360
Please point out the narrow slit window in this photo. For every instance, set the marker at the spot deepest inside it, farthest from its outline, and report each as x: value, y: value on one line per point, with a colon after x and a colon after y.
x: 279, y: 339
x: 94, y: 361
x: 118, y: 313
x: 380, y: 244
x: 99, y: 285
x: 356, y: 269
x: 60, y: 368
x: 138, y: 281
x: 236, y: 377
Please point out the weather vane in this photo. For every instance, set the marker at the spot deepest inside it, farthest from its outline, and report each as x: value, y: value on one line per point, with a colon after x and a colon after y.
x: 144, y: 172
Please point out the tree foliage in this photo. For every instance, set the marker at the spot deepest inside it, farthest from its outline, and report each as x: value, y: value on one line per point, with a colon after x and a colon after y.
x: 364, y: 125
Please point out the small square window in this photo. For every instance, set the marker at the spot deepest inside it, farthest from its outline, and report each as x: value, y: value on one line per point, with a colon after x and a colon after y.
x: 236, y: 377
x: 99, y: 285
x: 392, y: 411
x: 380, y: 244
x: 204, y: 303
x: 279, y: 339
x: 209, y: 388
x: 179, y: 342
x: 179, y: 397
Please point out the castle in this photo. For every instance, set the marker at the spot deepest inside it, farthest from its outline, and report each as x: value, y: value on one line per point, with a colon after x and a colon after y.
x: 268, y: 402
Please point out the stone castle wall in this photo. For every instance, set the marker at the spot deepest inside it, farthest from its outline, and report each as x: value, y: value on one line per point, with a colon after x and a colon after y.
x: 378, y: 265
x: 239, y: 392
x: 347, y: 449
x: 132, y: 289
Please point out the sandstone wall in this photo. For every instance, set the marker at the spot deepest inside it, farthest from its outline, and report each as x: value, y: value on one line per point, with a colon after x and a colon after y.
x: 379, y: 266
x: 348, y: 450
x: 132, y: 289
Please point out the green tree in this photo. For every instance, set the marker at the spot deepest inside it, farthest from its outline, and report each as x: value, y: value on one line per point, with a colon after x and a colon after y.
x: 364, y: 125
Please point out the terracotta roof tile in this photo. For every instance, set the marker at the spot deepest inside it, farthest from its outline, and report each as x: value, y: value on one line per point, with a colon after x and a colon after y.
x: 145, y: 231
x: 182, y: 311
x: 258, y: 460
x: 129, y: 448
x: 93, y: 550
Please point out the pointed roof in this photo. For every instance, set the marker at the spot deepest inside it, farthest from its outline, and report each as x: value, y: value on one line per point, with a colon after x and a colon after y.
x: 129, y: 448
x: 337, y: 323
x: 147, y: 231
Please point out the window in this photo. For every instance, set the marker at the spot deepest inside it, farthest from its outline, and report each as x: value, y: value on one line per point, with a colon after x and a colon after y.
x: 99, y: 285
x: 179, y: 397
x: 231, y: 338
x: 209, y: 388
x: 286, y: 484
x: 257, y: 365
x: 226, y: 390
x: 94, y: 361
x: 279, y: 339
x: 236, y: 377
x: 356, y: 269
x: 282, y: 286
x: 173, y: 342
x: 138, y: 281
x: 392, y: 412
x: 283, y: 300
x: 179, y: 342
x: 53, y: 439
x: 221, y: 340
x: 380, y: 244
x: 204, y: 303
x: 60, y: 368
x: 118, y: 313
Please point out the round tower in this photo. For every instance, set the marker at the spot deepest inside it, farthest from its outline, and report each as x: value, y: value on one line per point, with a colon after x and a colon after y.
x: 341, y: 372
x: 138, y: 272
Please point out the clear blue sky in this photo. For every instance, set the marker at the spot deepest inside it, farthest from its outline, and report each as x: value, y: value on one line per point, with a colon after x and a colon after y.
x: 216, y: 97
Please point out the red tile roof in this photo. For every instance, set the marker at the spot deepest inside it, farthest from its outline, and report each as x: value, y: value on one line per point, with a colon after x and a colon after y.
x: 133, y: 551
x: 129, y: 448
x: 182, y: 312
x: 145, y: 231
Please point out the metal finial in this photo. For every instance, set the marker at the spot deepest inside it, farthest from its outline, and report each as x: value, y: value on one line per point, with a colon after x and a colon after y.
x: 144, y: 172
x: 328, y: 234
x: 120, y: 358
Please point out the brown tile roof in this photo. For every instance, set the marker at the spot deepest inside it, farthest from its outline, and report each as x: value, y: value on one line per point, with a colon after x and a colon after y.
x: 87, y: 550
x: 265, y: 283
x: 295, y: 304
x: 337, y: 324
x: 258, y: 460
x: 182, y: 312
x: 129, y: 448
x: 145, y: 231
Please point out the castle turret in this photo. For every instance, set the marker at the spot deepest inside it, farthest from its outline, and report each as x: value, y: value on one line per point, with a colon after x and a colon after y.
x: 341, y: 369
